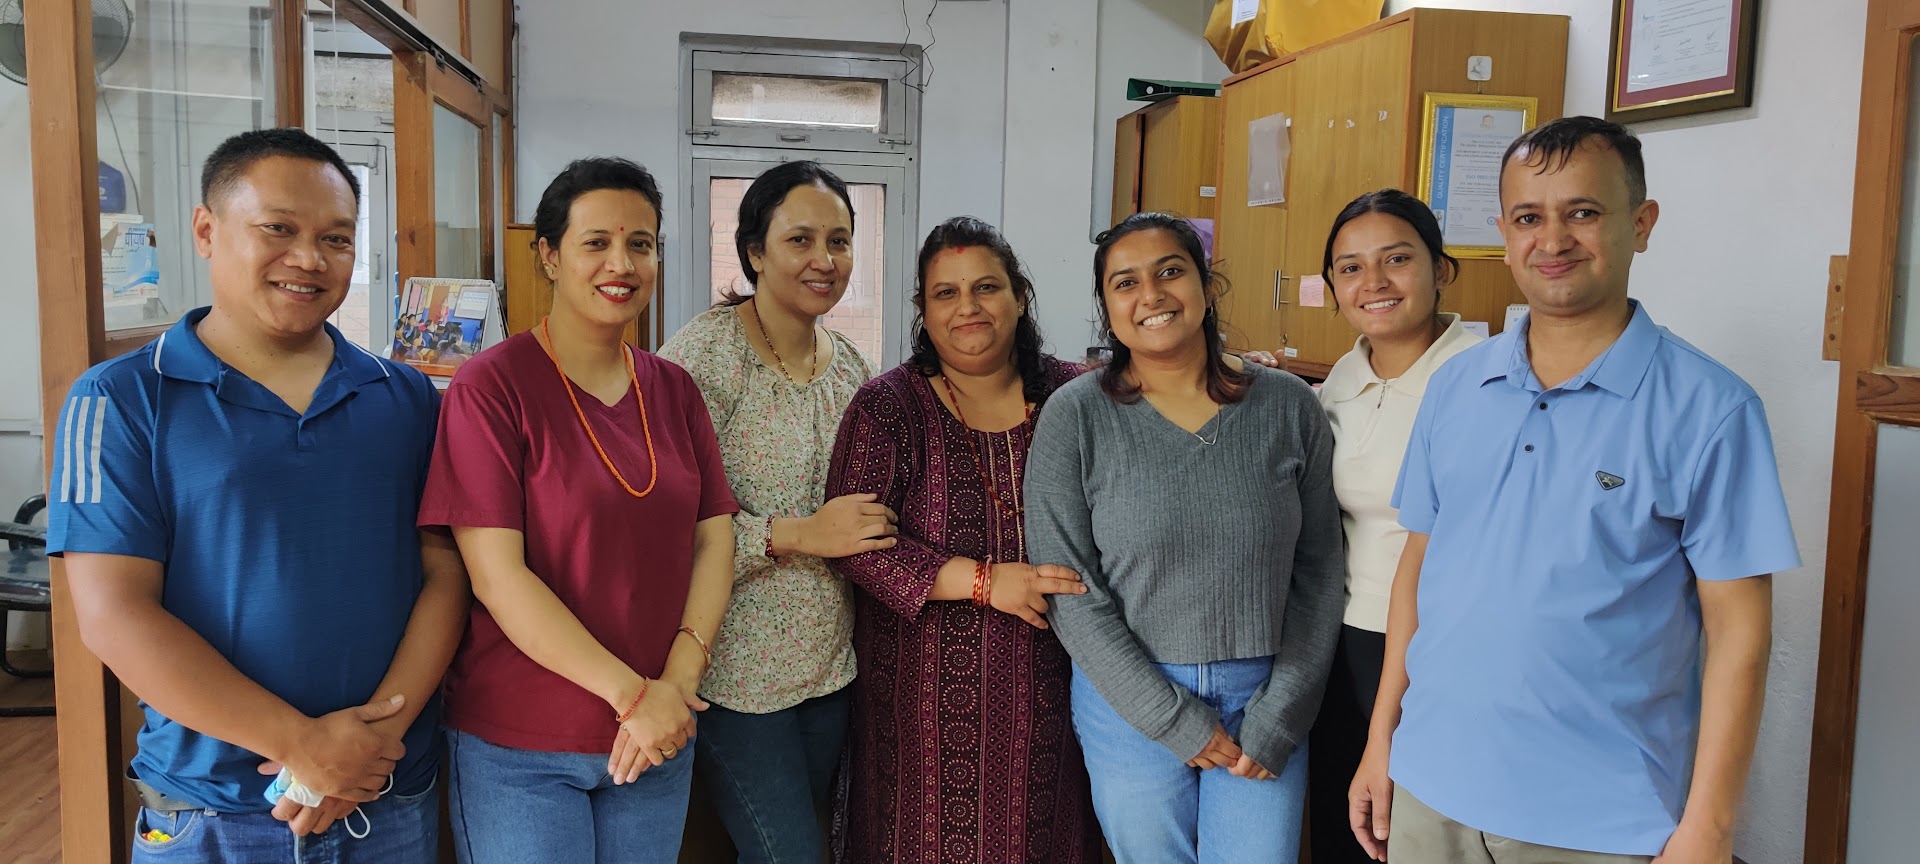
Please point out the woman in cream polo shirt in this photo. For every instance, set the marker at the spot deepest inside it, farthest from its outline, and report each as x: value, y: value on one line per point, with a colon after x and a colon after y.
x: 1386, y: 263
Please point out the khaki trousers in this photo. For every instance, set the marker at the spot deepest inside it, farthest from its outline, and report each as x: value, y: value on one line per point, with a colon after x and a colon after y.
x: 1421, y: 836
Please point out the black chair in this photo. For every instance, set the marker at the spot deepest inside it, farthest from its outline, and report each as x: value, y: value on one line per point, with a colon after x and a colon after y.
x: 24, y: 587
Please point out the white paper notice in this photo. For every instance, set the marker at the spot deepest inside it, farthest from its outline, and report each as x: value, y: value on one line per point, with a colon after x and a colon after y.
x: 1243, y: 11
x: 1267, y: 150
x: 1477, y: 328
x: 1679, y: 42
x: 1515, y: 312
x: 1313, y: 290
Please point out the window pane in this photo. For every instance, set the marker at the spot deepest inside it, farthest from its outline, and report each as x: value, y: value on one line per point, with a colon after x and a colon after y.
x: 1903, y: 342
x: 858, y: 315
x: 456, y: 197
x: 182, y: 78
x: 840, y: 103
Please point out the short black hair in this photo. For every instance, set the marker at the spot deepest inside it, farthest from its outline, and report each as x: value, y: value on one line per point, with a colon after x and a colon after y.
x: 1551, y: 144
x: 1401, y: 206
x: 1225, y: 385
x: 231, y: 160
x: 589, y: 175
x: 763, y: 197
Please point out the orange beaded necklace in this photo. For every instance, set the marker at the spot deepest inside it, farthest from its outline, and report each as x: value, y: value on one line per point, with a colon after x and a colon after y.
x: 638, y: 396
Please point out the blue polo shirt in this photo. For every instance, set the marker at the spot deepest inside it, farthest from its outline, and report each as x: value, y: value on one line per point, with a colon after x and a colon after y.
x: 1555, y: 676
x: 287, y: 540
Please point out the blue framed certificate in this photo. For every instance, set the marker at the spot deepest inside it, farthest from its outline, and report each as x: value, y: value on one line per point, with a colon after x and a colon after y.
x: 1462, y: 140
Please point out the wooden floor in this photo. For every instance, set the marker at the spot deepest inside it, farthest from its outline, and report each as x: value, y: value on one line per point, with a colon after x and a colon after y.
x: 29, y: 772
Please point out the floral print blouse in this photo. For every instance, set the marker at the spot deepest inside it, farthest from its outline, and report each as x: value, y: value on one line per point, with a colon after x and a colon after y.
x: 788, y: 633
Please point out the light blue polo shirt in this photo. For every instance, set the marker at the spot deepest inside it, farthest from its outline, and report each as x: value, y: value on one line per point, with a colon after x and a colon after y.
x: 288, y: 540
x: 1555, y: 674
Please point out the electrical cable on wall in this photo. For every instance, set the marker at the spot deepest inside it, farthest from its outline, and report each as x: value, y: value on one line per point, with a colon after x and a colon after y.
x: 925, y: 60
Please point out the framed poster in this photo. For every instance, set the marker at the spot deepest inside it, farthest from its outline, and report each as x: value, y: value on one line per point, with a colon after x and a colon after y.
x: 1669, y: 58
x: 1462, y: 139
x: 442, y: 323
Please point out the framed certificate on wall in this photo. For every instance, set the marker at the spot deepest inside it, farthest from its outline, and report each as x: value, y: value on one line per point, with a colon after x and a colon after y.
x: 1462, y: 139
x: 1674, y: 57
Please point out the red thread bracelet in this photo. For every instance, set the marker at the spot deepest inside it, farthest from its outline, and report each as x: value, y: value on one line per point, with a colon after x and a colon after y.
x: 628, y: 714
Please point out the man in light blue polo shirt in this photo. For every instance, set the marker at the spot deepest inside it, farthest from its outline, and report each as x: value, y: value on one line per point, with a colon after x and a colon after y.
x: 1588, y: 494
x: 236, y: 505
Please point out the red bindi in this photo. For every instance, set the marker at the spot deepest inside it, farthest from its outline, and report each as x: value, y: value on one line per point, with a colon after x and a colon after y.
x: 959, y: 250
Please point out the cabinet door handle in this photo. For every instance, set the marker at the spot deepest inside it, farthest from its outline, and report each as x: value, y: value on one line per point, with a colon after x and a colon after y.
x: 792, y: 136
x: 1278, y: 300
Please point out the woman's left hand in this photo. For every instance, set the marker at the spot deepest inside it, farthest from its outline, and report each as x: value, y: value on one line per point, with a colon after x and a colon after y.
x: 1249, y: 769
x: 1264, y: 358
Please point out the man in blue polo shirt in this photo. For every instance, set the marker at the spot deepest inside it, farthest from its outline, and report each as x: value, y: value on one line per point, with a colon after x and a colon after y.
x: 236, y: 504
x: 1588, y: 495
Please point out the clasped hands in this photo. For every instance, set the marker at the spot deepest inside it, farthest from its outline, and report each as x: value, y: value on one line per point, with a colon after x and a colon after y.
x: 347, y: 756
x: 1223, y: 752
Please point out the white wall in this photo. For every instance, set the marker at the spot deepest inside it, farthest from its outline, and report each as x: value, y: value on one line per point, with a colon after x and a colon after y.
x: 1039, y: 164
x: 1752, y: 203
x: 20, y: 444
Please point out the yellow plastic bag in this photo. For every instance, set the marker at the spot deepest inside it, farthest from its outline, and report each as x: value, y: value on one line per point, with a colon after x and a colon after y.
x: 1281, y: 27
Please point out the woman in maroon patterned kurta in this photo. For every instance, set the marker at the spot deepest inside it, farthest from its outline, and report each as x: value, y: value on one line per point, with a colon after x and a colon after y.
x: 962, y: 747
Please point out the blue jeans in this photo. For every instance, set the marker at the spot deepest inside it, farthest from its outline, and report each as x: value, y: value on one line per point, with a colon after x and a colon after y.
x: 1156, y: 810
x: 403, y: 829
x: 771, y: 775
x: 510, y: 806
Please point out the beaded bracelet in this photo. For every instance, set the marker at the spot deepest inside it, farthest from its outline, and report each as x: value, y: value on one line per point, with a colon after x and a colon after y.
x: 982, y: 573
x: 635, y: 706
x: 704, y: 650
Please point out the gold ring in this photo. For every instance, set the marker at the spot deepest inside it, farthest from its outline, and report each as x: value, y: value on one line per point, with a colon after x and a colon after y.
x: 670, y: 752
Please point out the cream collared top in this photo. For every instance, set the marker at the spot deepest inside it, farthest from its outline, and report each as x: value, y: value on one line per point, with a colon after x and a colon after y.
x: 1372, y: 419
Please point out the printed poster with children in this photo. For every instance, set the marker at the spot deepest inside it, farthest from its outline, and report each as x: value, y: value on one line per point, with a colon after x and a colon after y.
x: 442, y: 323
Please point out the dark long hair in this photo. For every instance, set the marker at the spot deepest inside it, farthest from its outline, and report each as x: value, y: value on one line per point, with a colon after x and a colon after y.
x: 962, y: 231
x: 1405, y: 208
x: 1225, y: 385
x: 763, y: 197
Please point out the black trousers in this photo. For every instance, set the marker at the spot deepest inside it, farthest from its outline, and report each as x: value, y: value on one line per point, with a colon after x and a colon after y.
x: 1338, y: 741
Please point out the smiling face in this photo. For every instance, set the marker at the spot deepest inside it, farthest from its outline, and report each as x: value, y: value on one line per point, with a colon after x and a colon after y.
x: 1154, y: 299
x: 1572, y: 232
x: 1387, y: 283
x: 279, y: 245
x: 608, y: 260
x: 970, y: 310
x: 807, y: 258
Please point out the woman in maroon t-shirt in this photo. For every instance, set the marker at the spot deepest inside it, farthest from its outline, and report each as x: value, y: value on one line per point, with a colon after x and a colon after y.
x: 584, y: 486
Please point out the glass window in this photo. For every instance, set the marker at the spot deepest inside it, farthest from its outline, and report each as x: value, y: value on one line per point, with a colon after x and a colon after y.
x: 1903, y: 342
x: 858, y: 316
x: 187, y: 75
x: 456, y: 197
x: 835, y: 103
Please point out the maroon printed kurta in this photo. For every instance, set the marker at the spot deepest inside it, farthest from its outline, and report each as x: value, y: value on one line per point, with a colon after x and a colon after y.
x: 962, y: 748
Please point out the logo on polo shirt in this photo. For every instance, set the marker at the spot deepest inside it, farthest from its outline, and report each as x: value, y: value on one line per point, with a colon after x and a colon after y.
x: 1608, y: 481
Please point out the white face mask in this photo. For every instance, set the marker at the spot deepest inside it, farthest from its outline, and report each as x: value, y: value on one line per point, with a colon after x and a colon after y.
x: 284, y: 786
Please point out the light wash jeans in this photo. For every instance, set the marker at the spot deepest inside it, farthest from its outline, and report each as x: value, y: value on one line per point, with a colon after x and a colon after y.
x: 400, y: 829
x: 1154, y: 809
x: 511, y: 806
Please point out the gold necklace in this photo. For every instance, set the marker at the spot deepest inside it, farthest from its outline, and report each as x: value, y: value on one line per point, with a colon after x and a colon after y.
x: 1017, y: 509
x: 813, y: 346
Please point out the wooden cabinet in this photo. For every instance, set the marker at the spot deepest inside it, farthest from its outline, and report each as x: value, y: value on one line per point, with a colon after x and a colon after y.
x: 1165, y: 157
x: 1354, y: 126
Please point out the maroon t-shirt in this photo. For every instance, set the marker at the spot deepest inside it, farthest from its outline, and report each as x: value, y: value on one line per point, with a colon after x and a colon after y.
x: 512, y: 454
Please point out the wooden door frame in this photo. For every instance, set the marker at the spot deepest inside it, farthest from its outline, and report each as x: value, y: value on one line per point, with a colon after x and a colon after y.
x: 1871, y: 393
x: 94, y: 713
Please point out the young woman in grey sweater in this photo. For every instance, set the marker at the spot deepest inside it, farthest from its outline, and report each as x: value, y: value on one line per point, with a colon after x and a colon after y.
x: 1194, y: 495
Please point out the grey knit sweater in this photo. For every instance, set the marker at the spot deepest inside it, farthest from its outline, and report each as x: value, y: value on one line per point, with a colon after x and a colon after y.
x: 1193, y: 553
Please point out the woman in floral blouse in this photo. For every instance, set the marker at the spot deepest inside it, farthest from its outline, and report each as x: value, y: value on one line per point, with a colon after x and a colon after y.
x: 776, y: 383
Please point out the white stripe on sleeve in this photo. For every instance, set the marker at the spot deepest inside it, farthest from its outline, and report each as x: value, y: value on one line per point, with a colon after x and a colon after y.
x: 99, y: 420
